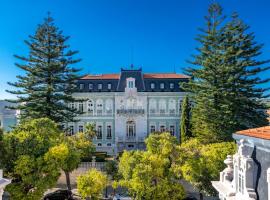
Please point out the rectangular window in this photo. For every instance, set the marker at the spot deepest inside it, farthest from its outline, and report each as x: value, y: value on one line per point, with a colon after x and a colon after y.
x: 100, y: 86
x: 152, y: 85
x: 162, y: 128
x: 99, y: 132
x: 71, y: 130
x: 72, y: 105
x: 81, y: 128
x: 152, y: 129
x: 109, y: 86
x: 81, y: 107
x: 99, y: 144
x: 90, y: 86
x: 109, y: 145
x: 81, y: 86
x: 130, y: 84
x: 161, y: 85
x: 172, y: 131
x: 109, y: 132
x: 171, y: 85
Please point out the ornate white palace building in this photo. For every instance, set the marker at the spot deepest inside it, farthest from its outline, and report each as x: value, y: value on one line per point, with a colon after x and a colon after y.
x: 128, y: 106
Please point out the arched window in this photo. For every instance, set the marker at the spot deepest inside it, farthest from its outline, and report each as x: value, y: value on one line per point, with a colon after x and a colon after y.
x: 162, y: 106
x: 131, y: 129
x: 153, y: 106
x: 99, y: 106
x: 109, y: 106
x: 90, y: 106
x: 172, y: 106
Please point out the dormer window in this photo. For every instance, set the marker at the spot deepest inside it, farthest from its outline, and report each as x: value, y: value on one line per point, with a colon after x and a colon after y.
x: 100, y: 86
x: 109, y: 86
x: 90, y: 86
x: 161, y: 85
x: 152, y: 85
x: 81, y: 86
x: 130, y: 84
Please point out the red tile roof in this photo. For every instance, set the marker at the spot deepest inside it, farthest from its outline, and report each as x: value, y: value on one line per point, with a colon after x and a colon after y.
x: 262, y: 132
x: 117, y: 76
x: 102, y: 76
x: 165, y: 75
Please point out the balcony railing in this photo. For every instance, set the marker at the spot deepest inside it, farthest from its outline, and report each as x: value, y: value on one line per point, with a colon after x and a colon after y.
x: 130, y: 111
x: 130, y: 139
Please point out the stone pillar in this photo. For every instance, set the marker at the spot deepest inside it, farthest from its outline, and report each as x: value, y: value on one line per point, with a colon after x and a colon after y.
x: 93, y: 161
x: 3, y: 183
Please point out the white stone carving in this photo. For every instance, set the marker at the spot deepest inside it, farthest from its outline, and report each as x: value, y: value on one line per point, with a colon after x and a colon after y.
x: 3, y: 183
x: 237, y: 180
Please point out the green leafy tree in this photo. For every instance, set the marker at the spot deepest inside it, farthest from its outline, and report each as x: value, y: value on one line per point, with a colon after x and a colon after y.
x: 150, y: 174
x: 225, y: 85
x: 24, y: 158
x: 185, y: 120
x: 201, y: 163
x: 49, y: 81
x: 68, y: 154
x: 91, y: 184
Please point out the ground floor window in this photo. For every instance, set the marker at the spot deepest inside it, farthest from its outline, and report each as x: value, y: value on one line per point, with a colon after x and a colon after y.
x: 80, y: 128
x: 162, y: 128
x: 131, y: 129
x: 172, y: 130
x: 71, y: 130
x: 152, y: 129
x: 99, y: 132
x: 109, y: 132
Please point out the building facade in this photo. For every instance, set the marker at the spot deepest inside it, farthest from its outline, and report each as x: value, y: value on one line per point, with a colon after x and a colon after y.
x: 126, y: 107
x: 8, y: 118
x: 247, y: 176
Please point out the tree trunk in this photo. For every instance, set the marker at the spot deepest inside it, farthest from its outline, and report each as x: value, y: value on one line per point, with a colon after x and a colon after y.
x: 68, y: 180
x: 201, y: 196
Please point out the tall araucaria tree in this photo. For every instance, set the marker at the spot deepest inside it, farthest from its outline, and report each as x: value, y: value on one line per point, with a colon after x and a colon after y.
x: 185, y: 124
x: 49, y: 81
x: 225, y: 79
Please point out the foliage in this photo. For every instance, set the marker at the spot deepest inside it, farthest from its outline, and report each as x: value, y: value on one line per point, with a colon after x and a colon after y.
x: 91, y: 184
x: 67, y: 155
x: 149, y: 174
x: 185, y: 120
x: 111, y: 168
x: 225, y: 85
x: 49, y: 81
x: 201, y: 163
x: 24, y: 158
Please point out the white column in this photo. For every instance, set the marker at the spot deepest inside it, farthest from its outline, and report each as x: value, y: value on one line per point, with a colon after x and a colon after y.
x: 268, y: 181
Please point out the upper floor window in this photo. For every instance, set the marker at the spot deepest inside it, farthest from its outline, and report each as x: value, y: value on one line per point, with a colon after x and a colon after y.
x: 100, y: 86
x: 171, y: 85
x: 72, y: 105
x: 81, y: 86
x: 90, y: 86
x: 162, y: 85
x: 152, y: 85
x: 109, y: 86
x: 81, y: 107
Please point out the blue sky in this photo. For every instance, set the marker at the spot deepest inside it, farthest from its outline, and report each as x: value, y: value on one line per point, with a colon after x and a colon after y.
x: 157, y: 35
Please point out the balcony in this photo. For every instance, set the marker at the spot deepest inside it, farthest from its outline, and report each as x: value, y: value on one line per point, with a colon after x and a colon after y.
x: 130, y: 111
x: 130, y: 139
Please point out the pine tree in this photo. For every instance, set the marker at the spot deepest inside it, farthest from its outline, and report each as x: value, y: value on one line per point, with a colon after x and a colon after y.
x: 225, y: 85
x: 185, y: 120
x: 49, y: 81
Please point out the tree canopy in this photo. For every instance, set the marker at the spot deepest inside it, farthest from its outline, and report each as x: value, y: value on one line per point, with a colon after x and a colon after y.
x: 49, y: 81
